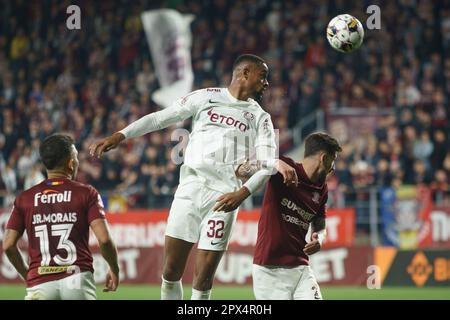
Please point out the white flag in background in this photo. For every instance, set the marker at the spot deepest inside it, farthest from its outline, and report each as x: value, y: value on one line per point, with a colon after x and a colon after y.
x: 169, y: 37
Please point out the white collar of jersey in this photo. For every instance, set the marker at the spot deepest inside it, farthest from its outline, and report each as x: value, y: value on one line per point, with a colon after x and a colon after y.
x: 233, y: 99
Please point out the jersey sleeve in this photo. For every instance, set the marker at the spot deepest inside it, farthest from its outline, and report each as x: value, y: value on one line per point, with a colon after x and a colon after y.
x: 180, y: 110
x: 16, y: 219
x: 265, y: 135
x: 96, y: 209
x: 265, y: 152
x: 187, y: 106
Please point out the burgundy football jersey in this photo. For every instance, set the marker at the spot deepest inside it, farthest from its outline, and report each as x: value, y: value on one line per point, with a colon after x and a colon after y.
x: 56, y: 215
x: 285, y: 217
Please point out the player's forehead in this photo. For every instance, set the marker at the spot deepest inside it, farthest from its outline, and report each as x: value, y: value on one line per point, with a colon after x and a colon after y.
x: 262, y: 68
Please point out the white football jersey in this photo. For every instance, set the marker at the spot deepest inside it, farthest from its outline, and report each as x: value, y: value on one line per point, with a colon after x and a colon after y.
x: 225, y: 132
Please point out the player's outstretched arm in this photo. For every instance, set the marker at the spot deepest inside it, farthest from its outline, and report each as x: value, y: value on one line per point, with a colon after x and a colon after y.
x: 248, y: 168
x: 104, y: 145
x: 149, y: 123
x: 318, y: 235
x: 108, y: 251
x: 12, y: 252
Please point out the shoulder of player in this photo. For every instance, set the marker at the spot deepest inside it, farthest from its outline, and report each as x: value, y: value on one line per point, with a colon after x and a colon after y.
x: 289, y: 161
x: 257, y: 106
x: 213, y: 90
x: 261, y: 115
x: 259, y: 110
x: 202, y: 95
x: 207, y: 93
x: 19, y: 198
x: 213, y: 94
x: 29, y: 193
x: 82, y: 187
x: 276, y: 177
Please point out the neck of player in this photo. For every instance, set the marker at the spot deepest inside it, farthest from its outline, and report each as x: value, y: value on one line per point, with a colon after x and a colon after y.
x: 238, y: 91
x: 311, y: 168
x: 58, y: 174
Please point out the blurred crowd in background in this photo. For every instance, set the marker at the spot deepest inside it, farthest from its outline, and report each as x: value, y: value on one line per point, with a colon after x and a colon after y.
x: 94, y: 81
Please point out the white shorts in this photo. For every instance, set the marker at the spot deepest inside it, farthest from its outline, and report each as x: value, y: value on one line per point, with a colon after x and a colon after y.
x: 80, y: 286
x: 281, y: 283
x: 192, y: 218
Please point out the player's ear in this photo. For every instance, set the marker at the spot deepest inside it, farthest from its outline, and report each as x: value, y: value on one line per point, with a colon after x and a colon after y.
x: 323, y: 157
x: 246, y: 72
x: 71, y: 165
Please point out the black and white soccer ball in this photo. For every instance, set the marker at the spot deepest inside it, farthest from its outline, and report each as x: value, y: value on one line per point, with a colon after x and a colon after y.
x: 345, y: 33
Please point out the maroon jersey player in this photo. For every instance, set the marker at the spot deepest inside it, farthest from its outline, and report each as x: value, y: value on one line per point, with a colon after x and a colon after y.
x: 281, y: 266
x: 56, y: 215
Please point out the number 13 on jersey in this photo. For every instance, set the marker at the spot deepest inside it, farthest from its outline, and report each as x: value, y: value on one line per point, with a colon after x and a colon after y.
x: 62, y: 231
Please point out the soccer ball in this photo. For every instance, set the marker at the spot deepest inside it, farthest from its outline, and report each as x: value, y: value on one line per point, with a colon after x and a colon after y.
x: 345, y: 33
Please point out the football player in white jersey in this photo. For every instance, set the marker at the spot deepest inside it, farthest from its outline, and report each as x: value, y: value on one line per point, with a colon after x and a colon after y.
x: 228, y: 126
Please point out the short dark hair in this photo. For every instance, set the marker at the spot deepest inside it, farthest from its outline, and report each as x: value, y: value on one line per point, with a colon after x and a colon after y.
x: 247, y: 58
x: 320, y: 141
x: 55, y: 150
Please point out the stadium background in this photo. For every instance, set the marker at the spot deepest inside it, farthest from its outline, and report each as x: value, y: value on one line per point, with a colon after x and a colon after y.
x: 387, y: 104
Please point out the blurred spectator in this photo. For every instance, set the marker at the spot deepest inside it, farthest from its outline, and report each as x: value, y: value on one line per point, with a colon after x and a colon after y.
x: 9, y: 180
x: 423, y: 148
x: 440, y: 187
x: 34, y: 177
